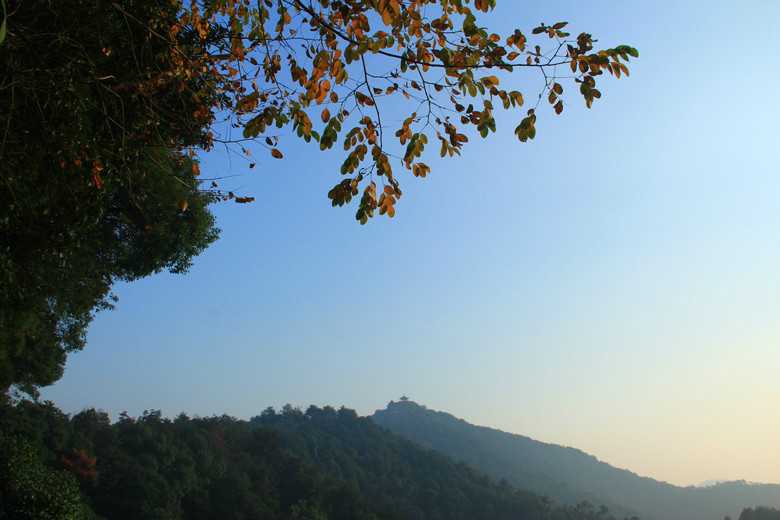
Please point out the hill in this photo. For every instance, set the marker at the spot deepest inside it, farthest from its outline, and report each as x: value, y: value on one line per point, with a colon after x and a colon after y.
x: 567, y: 474
x: 321, y: 464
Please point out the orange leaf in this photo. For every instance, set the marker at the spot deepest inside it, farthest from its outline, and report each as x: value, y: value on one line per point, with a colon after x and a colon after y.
x: 276, y: 153
x: 387, y: 17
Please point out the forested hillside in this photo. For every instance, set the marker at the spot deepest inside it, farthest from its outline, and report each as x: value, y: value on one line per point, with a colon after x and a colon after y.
x: 318, y: 464
x: 567, y: 474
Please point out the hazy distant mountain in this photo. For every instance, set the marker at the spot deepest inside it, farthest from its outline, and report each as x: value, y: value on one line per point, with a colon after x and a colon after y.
x: 567, y: 474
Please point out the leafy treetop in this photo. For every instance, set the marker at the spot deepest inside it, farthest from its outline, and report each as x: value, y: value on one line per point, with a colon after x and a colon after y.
x: 98, y: 109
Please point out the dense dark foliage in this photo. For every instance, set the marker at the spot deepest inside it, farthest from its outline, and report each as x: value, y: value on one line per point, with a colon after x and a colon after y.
x: 95, y: 184
x: 567, y: 474
x: 760, y: 513
x: 30, y: 489
x: 321, y: 464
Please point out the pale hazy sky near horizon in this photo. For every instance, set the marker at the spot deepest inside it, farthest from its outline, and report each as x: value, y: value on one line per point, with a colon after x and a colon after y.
x: 613, y: 285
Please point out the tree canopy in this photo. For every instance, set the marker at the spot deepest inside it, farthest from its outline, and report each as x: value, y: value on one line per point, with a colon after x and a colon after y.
x: 319, y: 464
x: 97, y: 184
x: 105, y: 105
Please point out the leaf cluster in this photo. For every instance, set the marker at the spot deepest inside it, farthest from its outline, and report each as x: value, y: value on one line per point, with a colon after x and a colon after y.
x: 349, y: 63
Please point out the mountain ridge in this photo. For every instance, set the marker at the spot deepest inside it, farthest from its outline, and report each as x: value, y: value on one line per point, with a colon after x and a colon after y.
x: 568, y: 474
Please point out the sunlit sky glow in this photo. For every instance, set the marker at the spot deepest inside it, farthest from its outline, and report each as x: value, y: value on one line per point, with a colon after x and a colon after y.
x: 613, y: 285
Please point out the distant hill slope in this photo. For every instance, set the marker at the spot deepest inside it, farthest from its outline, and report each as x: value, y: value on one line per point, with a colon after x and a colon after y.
x: 403, y: 477
x: 567, y: 474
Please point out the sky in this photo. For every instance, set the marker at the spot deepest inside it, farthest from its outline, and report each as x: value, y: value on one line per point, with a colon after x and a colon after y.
x: 612, y: 285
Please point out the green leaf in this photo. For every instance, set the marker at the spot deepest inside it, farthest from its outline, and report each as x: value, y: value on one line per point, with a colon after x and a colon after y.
x: 4, y: 26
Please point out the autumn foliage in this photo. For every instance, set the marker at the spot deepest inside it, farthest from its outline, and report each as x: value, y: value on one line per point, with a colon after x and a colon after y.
x: 105, y: 106
x: 79, y: 464
x: 327, y: 68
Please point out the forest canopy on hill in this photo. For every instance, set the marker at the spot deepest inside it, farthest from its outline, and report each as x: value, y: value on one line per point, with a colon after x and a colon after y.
x: 319, y: 464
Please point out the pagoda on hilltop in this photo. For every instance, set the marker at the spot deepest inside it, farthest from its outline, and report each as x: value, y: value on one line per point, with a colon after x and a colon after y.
x: 403, y: 398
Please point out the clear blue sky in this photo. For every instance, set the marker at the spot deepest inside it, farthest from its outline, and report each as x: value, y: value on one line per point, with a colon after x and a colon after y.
x: 613, y: 285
